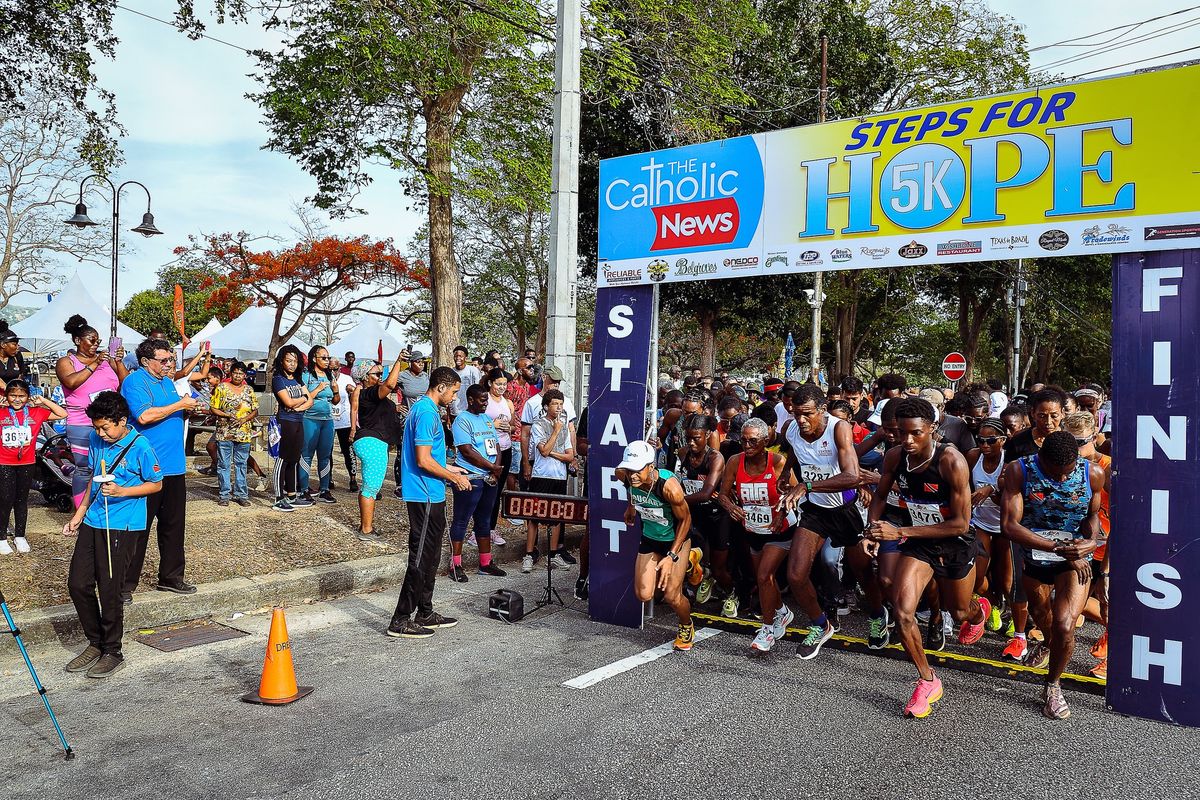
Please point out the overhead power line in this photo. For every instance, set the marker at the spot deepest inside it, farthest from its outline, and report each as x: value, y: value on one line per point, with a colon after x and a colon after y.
x: 1131, y: 26
x: 1149, y: 36
x: 1139, y: 61
x: 172, y: 25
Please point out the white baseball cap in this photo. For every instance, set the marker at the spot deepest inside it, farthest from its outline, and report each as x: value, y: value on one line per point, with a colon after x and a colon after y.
x: 638, y: 455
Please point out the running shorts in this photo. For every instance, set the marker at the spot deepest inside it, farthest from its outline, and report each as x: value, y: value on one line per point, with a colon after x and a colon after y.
x: 950, y: 557
x: 843, y: 526
x: 657, y: 547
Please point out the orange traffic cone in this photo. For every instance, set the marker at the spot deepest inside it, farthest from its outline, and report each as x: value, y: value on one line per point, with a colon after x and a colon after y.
x: 278, y: 685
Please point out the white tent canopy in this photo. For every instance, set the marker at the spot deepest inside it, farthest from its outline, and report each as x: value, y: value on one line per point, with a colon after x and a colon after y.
x: 248, y: 337
x: 209, y: 330
x: 43, y: 332
x: 364, y: 341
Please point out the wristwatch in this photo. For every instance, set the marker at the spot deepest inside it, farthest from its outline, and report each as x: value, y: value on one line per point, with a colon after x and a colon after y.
x: 674, y: 556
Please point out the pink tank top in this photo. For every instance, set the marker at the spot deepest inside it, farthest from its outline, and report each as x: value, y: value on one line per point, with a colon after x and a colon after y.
x: 495, y: 410
x: 78, y: 399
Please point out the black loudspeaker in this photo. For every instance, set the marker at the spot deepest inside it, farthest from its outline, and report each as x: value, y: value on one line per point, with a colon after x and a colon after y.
x: 507, y: 605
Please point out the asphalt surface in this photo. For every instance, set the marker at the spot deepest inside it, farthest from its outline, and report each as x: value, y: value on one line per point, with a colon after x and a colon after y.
x: 479, y: 711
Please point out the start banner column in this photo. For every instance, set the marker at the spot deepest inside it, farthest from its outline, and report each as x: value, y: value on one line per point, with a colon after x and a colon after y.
x: 616, y: 414
x: 1154, y: 633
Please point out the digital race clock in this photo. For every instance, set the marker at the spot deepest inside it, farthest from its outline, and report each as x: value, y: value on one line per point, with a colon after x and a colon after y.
x: 549, y: 508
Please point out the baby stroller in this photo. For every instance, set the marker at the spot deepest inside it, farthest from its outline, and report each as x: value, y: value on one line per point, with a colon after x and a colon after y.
x: 55, y: 465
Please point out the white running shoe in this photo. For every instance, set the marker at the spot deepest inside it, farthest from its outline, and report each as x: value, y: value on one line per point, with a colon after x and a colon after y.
x: 22, y: 544
x: 527, y: 564
x: 560, y: 562
x: 783, y: 618
x: 947, y: 623
x: 5, y: 548
x: 470, y: 540
x: 498, y: 540
x: 764, y: 640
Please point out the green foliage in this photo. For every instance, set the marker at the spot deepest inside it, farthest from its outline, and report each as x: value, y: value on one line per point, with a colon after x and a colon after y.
x: 48, y: 48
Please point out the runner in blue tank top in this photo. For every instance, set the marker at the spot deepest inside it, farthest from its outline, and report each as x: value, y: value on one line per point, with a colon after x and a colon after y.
x: 1050, y: 508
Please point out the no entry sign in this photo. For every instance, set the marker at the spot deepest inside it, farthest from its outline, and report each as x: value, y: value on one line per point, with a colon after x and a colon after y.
x: 954, y: 366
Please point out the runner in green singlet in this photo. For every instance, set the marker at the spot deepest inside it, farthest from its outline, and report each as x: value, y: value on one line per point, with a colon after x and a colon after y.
x: 656, y: 495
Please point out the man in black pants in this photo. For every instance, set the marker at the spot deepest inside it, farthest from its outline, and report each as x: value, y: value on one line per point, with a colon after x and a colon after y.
x: 424, y: 474
x: 157, y: 412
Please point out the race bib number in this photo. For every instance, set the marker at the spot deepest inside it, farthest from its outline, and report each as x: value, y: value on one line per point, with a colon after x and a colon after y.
x: 337, y: 411
x: 16, y: 435
x: 691, y: 487
x: 491, y: 447
x: 651, y: 514
x: 758, y: 519
x: 925, y: 513
x: 1058, y: 537
x: 811, y: 473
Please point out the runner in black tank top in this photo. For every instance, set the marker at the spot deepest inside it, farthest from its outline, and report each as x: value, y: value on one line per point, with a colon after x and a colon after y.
x: 934, y: 486
x: 700, y: 470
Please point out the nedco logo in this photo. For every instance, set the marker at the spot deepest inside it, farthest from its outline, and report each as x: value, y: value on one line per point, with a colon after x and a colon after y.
x: 685, y: 268
x: 742, y: 263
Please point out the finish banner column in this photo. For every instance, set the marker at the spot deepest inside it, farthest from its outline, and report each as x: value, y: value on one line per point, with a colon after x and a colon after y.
x: 1154, y: 637
x: 617, y: 403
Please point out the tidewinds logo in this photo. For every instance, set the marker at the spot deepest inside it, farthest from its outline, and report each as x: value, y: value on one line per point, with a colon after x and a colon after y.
x: 1113, y: 234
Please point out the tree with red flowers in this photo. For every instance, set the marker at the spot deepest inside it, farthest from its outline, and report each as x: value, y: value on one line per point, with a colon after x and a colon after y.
x: 327, y: 275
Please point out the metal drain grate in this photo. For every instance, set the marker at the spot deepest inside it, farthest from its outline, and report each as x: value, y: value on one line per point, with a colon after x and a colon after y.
x: 188, y: 634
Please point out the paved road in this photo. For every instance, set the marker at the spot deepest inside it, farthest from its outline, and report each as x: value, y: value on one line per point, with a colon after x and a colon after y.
x: 479, y: 711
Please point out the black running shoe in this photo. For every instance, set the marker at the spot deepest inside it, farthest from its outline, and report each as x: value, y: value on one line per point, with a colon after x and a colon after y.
x: 581, y: 589
x: 567, y: 557
x: 409, y: 630
x: 457, y: 573
x: 492, y: 569
x: 935, y: 634
x: 327, y: 497
x: 436, y: 620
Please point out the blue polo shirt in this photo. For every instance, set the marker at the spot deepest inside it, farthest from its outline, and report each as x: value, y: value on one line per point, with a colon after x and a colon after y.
x: 137, y: 467
x: 143, y: 391
x: 423, y: 427
x: 478, y: 431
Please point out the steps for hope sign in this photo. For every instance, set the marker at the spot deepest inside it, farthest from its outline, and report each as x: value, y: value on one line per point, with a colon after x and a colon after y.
x: 1092, y: 167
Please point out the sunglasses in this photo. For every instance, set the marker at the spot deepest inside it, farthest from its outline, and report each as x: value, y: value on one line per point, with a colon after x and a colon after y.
x: 1082, y: 440
x: 990, y: 440
x: 752, y: 441
x: 166, y: 362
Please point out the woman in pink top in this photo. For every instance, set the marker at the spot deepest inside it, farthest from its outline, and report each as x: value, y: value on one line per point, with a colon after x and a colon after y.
x: 84, y: 373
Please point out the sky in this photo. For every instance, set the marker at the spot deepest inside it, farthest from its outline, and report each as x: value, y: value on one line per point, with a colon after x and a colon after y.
x: 196, y: 141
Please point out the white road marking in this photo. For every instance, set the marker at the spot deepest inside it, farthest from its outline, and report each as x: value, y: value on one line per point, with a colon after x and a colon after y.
x: 625, y: 664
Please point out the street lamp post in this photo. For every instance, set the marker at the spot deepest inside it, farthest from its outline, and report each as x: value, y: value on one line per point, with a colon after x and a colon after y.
x: 146, y: 228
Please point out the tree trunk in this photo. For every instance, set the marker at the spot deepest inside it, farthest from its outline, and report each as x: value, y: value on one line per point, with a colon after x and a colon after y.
x: 445, y: 282
x: 845, y: 320
x: 708, y: 336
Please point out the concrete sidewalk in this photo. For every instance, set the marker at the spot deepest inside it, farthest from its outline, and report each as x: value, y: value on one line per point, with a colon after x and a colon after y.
x: 221, y: 599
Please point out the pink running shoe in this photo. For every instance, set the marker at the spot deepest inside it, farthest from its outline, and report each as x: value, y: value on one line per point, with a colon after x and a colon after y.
x: 924, y: 696
x: 969, y: 632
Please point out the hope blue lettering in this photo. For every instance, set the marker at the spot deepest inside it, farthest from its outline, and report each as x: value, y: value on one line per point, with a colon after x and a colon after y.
x: 1070, y: 169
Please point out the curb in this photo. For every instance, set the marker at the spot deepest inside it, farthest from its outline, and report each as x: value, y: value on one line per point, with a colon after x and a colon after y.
x: 221, y: 599
x: 153, y: 609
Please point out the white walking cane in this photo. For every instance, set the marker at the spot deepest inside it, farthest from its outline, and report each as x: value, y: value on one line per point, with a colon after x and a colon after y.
x: 102, y: 479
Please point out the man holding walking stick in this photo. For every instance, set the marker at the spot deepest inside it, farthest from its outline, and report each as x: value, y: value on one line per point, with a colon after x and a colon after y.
x: 107, y: 530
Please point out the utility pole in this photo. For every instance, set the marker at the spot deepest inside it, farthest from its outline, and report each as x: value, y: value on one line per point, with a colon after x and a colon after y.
x: 819, y: 277
x: 1018, y: 302
x: 564, y: 211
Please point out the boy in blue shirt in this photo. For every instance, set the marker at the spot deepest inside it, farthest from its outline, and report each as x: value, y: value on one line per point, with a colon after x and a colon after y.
x: 107, y: 530
x: 478, y: 447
